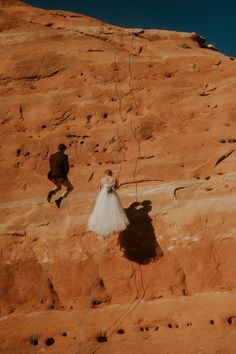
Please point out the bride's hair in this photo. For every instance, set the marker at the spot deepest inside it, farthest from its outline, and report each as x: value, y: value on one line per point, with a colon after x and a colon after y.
x: 109, y: 172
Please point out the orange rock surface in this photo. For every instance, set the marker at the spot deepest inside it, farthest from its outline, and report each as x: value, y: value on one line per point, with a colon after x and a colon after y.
x: 158, y: 108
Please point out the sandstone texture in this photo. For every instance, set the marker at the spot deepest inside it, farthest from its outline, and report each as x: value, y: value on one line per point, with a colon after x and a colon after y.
x: 156, y: 107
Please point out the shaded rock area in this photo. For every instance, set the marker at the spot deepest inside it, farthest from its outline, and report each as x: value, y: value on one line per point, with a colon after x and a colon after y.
x: 156, y: 107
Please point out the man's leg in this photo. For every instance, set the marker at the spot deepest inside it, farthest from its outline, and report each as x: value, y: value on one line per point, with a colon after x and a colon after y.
x: 54, y: 191
x: 69, y: 188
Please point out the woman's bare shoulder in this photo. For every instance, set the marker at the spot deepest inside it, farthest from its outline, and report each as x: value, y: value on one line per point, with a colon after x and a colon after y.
x: 110, y: 180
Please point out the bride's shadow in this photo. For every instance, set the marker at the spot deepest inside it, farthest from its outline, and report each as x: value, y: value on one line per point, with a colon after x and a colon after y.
x: 138, y: 241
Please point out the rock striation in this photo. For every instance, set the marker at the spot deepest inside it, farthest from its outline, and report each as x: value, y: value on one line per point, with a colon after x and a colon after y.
x: 156, y: 107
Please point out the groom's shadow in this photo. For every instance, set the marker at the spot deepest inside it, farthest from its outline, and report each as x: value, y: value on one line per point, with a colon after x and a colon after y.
x: 138, y: 241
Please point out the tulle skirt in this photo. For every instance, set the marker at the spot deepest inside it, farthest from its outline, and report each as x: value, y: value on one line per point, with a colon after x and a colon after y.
x: 108, y: 215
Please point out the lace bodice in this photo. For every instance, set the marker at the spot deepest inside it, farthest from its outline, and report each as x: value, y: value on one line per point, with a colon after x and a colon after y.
x: 108, y: 182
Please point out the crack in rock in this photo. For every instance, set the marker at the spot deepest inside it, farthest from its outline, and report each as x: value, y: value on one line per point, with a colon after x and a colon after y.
x: 223, y: 157
x: 178, y: 188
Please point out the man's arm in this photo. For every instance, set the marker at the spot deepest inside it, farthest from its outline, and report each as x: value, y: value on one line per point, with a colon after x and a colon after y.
x: 66, y: 164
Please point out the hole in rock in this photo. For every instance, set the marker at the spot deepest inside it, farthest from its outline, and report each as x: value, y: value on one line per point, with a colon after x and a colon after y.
x: 208, y: 177
x: 105, y: 115
x: 34, y: 342
x: 71, y: 136
x: 147, y: 329
x: 43, y: 126
x: 120, y: 331
x: 82, y: 142
x: 141, y: 329
x: 230, y: 320
x: 102, y: 338
x: 27, y: 153
x: 49, y: 341
x: 148, y: 137
x: 18, y: 152
x: 170, y: 325
x: 212, y: 322
x: 177, y: 326
x: 96, y: 302
x: 64, y: 334
x: 156, y: 329
x: 223, y: 141
x: 101, y: 283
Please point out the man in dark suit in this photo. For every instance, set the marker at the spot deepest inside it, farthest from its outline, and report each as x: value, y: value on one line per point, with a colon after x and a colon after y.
x: 59, y: 169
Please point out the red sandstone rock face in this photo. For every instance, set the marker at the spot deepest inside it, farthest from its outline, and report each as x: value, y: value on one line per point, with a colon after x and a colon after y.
x: 158, y: 109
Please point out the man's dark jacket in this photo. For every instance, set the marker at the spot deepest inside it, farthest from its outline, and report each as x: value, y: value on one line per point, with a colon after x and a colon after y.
x: 59, y: 165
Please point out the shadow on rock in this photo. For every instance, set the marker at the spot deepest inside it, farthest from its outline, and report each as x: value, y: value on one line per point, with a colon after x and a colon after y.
x: 138, y: 241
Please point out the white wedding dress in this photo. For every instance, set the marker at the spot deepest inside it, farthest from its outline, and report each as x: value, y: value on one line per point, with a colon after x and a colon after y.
x: 108, y: 215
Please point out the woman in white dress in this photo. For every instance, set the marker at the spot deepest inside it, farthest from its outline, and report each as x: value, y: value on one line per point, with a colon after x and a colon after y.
x: 108, y: 215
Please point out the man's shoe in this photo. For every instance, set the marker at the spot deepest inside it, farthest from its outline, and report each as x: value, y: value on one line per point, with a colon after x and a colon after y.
x: 49, y: 197
x: 58, y: 202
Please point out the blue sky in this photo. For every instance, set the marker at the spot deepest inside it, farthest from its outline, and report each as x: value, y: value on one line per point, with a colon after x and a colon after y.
x: 212, y: 19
